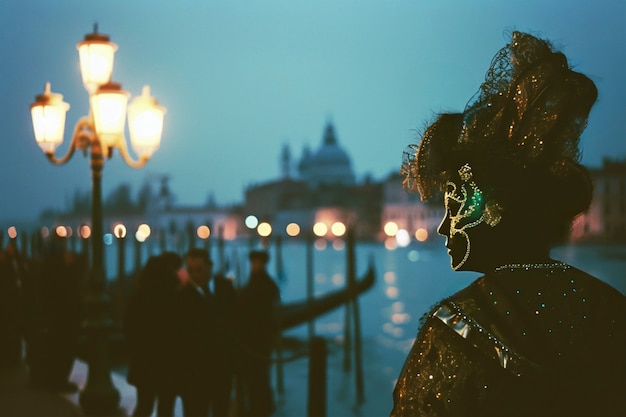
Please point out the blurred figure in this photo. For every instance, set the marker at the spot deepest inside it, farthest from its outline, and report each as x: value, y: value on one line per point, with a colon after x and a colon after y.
x: 207, y: 330
x: 150, y: 328
x: 53, y: 339
x: 13, y: 277
x: 258, y: 307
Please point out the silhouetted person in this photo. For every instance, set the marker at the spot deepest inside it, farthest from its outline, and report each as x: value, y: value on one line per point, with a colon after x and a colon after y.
x: 206, y: 338
x: 258, y: 306
x: 13, y: 271
x: 150, y: 327
x: 532, y: 336
x: 53, y: 344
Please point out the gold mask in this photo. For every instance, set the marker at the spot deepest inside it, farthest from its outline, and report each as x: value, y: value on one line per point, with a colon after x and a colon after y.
x: 472, y: 208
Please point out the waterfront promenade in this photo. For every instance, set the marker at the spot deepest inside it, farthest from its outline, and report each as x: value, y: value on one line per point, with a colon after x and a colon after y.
x: 409, y: 280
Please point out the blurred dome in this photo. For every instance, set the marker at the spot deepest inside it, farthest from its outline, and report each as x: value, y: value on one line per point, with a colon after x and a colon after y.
x: 329, y: 165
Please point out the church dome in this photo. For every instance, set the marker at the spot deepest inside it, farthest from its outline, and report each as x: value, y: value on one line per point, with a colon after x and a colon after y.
x: 330, y: 153
x: 329, y: 165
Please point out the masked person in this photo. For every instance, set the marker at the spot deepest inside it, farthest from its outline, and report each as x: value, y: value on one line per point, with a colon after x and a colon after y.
x: 533, y: 336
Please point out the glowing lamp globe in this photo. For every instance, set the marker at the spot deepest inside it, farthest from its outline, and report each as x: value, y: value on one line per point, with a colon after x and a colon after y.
x: 48, y: 114
x: 109, y: 113
x: 145, y: 123
x: 96, y: 54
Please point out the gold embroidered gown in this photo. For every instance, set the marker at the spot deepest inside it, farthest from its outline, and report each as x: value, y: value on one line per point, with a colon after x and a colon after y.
x: 525, y: 340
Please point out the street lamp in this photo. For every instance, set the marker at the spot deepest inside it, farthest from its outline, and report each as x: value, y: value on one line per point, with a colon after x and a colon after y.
x: 100, y: 133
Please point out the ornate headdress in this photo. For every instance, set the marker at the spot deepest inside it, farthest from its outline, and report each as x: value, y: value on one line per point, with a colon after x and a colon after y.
x: 519, y: 133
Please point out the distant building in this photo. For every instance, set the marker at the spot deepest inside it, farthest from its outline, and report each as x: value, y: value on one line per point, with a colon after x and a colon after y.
x: 324, y: 189
x: 330, y: 165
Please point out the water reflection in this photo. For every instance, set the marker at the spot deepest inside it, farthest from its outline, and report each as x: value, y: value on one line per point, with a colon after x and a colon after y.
x: 408, y: 282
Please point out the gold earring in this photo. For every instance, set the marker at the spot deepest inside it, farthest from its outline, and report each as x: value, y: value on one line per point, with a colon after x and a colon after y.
x: 492, y: 214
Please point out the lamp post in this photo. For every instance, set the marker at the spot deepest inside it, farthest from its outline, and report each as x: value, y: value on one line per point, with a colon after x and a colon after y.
x: 100, y: 133
x: 119, y: 230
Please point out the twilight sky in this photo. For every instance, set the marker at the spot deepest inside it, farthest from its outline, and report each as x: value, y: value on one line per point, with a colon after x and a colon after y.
x: 241, y: 78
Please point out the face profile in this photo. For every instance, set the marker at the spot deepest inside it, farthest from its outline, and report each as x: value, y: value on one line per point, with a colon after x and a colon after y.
x: 466, y: 208
x: 198, y: 269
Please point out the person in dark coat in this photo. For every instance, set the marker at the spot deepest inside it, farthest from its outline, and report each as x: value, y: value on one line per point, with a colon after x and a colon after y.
x: 150, y: 328
x: 259, y: 300
x: 206, y: 335
x: 12, y: 277
x: 56, y: 323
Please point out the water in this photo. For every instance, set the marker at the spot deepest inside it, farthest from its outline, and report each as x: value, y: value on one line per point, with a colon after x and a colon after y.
x: 408, y: 282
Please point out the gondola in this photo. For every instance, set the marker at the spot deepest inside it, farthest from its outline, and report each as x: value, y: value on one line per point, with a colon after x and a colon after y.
x: 299, y: 312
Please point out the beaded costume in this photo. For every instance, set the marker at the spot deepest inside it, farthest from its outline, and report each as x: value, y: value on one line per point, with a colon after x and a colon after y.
x: 525, y: 339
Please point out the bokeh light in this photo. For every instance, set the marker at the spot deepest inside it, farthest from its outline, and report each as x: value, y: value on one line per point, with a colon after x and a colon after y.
x: 391, y: 243
x: 144, y: 229
x: 251, y: 222
x: 61, y: 231
x: 390, y: 228
x: 320, y: 244
x: 421, y: 235
x: 120, y: 231
x: 84, y: 231
x: 203, y: 232
x: 264, y: 229
x: 338, y: 229
x: 338, y: 244
x: 403, y: 238
x: 293, y: 229
x: 413, y: 256
x: 320, y: 229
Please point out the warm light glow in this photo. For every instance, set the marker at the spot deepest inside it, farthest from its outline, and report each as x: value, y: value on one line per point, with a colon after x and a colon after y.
x: 337, y: 279
x: 142, y: 233
x: 320, y: 229
x: 69, y: 231
x: 96, y: 56
x: 391, y: 243
x: 61, y: 231
x: 397, y: 307
x: 145, y: 123
x: 85, y: 231
x: 293, y: 229
x: 421, y: 235
x: 320, y: 244
x: 338, y: 229
x: 400, y: 318
x: 144, y: 229
x: 119, y: 230
x: 403, y: 238
x: 140, y: 236
x: 338, y: 244
x: 251, y: 222
x: 203, y: 232
x: 390, y: 277
x: 264, y: 229
x: 109, y: 112
x: 12, y: 232
x: 391, y: 228
x: 48, y: 116
x: 392, y: 292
